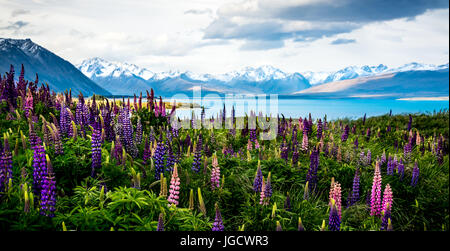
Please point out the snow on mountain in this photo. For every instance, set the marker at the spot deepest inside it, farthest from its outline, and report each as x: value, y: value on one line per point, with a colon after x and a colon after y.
x: 418, y: 67
x: 52, y: 69
x: 98, y: 67
x: 352, y: 72
x: 266, y: 77
x: 315, y: 78
x: 259, y: 74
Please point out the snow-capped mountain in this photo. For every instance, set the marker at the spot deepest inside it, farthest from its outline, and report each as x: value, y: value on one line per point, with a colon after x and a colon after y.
x: 419, y: 67
x: 98, y: 67
x: 51, y: 69
x: 124, y: 77
x: 352, y: 72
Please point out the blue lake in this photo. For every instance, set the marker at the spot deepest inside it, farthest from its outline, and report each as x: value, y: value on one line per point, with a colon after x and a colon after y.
x: 291, y: 107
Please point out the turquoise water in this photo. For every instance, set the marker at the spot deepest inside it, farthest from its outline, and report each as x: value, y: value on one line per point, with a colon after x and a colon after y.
x: 333, y: 108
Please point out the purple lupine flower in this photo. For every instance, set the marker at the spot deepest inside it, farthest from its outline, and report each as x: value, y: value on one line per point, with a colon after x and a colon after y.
x: 386, y: 218
x: 64, y: 121
x: 196, y: 164
x: 79, y: 118
x: 319, y: 129
x: 56, y: 140
x: 401, y: 169
x: 407, y: 151
x: 344, y: 136
x: 108, y: 123
x: 311, y: 177
x: 127, y: 130
x: 287, y: 203
x: 158, y: 158
x: 33, y: 137
x: 5, y: 166
x: 266, y: 192
x: 334, y: 223
x: 383, y: 158
x: 48, y: 196
x: 305, y: 126
x: 257, y: 183
x: 410, y: 122
x: 175, y: 131
x: 39, y: 169
x: 284, y: 151
x: 215, y: 173
x: 310, y: 124
x: 147, y: 151
x: 440, y: 157
x: 356, y: 143
x: 170, y: 161
x: 369, y: 157
x: 96, y: 144
x: 295, y: 155
x: 160, y: 226
x: 364, y: 119
x: 362, y: 158
x: 354, y: 197
x: 218, y: 223
x: 368, y: 133
x: 9, y: 91
x: 390, y: 166
x: 294, y: 136
x: 415, y: 175
x: 253, y: 135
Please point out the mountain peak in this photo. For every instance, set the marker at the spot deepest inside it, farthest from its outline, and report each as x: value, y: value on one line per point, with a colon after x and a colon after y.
x: 52, y: 69
x: 25, y: 45
x: 99, y: 67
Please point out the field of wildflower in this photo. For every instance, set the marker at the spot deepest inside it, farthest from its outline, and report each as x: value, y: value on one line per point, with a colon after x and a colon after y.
x: 91, y: 164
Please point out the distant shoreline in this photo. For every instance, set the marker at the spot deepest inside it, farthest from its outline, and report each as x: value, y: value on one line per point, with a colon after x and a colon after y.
x: 445, y: 98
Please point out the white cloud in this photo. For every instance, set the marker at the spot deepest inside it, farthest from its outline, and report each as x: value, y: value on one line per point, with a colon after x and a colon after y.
x: 163, y: 35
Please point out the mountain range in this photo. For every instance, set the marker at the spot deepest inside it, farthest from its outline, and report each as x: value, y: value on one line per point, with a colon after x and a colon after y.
x: 52, y: 69
x: 100, y: 76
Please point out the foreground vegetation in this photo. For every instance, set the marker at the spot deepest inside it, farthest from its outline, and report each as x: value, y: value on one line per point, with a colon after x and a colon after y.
x: 68, y: 164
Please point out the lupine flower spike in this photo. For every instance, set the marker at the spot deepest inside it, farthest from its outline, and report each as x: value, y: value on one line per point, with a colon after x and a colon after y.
x: 375, y: 198
x: 257, y: 183
x: 174, y: 188
x: 160, y: 226
x: 334, y: 223
x: 218, y: 223
x: 215, y: 173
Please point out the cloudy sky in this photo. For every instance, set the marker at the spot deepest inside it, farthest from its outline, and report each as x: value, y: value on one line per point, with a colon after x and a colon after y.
x: 216, y: 36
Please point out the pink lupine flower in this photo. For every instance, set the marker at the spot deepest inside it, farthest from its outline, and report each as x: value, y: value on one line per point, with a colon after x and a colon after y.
x: 249, y: 145
x: 256, y: 144
x: 335, y: 194
x: 215, y: 173
x: 305, y: 141
x: 375, y: 198
x: 174, y: 187
x: 262, y: 194
x: 387, y: 198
